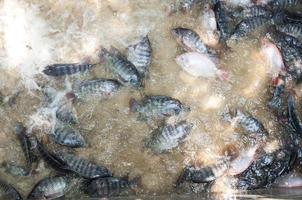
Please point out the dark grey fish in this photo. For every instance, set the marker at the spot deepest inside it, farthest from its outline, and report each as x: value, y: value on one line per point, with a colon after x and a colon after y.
x: 255, y: 129
x: 277, y: 101
x: 249, y: 25
x: 14, y: 169
x: 102, y: 88
x: 223, y: 20
x: 66, y: 69
x: 52, y: 159
x: 157, y: 107
x: 291, y: 54
x: 121, y: 67
x: 169, y: 136
x: 50, y: 188
x: 281, y: 4
x: 66, y: 113
x: 205, y: 174
x: 189, y: 40
x: 253, y: 11
x: 292, y: 29
x: 84, y: 168
x: 140, y: 54
x: 110, y: 186
x: 26, y: 144
x: 293, y: 117
x: 8, y: 192
x: 68, y: 136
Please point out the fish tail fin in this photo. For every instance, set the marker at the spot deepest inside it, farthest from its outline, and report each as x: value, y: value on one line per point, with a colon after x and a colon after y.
x: 184, y: 176
x: 134, y: 105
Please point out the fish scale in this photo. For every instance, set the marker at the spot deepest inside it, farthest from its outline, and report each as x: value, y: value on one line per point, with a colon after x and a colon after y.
x: 281, y: 4
x: 291, y: 29
x: 68, y: 136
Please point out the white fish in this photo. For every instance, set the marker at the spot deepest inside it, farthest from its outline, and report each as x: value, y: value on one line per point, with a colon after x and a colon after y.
x: 289, y: 180
x: 200, y: 65
x: 208, y: 26
x: 272, y: 56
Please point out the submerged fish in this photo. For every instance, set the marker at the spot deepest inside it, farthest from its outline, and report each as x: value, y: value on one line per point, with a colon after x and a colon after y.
x: 110, y: 186
x: 253, y: 11
x: 67, y: 136
x: 157, y: 107
x: 292, y: 29
x: 50, y: 188
x: 66, y: 113
x: 208, y: 26
x: 281, y: 4
x: 223, y: 20
x: 290, y: 180
x: 204, y: 174
x: 277, y: 101
x: 189, y: 40
x: 273, y: 57
x: 200, y: 65
x: 169, y: 136
x: 8, y: 192
x: 249, y: 25
x: 140, y: 54
x: 26, y: 144
x: 121, y: 67
x: 84, y: 167
x: 101, y: 88
x: 293, y: 117
x: 66, y: 69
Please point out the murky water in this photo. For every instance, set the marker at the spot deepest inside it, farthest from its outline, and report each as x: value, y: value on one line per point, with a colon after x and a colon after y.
x: 35, y: 33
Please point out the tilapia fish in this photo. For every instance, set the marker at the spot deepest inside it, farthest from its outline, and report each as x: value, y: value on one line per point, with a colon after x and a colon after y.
x: 50, y: 188
x: 67, y: 136
x: 249, y: 25
x: 204, y: 174
x: 157, y: 107
x: 189, y: 40
x: 140, y: 54
x: 101, y: 88
x: 223, y: 20
x: 84, y: 167
x: 292, y: 29
x: 291, y: 54
x: 169, y: 136
x: 66, y: 113
x: 110, y: 186
x: 281, y: 4
x: 253, y: 11
x: 121, y: 67
x: 208, y: 26
x: 66, y: 69
x: 255, y: 129
x: 293, y: 117
x: 8, y: 192
x: 26, y: 144
x: 200, y: 65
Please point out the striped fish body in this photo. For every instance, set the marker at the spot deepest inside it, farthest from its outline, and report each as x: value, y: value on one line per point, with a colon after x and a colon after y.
x: 281, y: 4
x: 50, y: 188
x: 110, y: 186
x: 169, y: 137
x: 292, y: 29
x: 66, y: 69
x: 66, y: 113
x: 205, y: 174
x: 8, y: 192
x: 121, y: 67
x: 84, y: 167
x: 249, y: 25
x: 222, y: 19
x: 255, y: 11
x: 26, y: 144
x: 102, y: 88
x: 189, y: 40
x: 140, y: 55
x: 68, y: 136
x: 158, y: 107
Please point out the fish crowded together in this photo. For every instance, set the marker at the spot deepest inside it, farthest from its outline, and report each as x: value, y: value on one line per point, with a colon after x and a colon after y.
x: 253, y: 157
